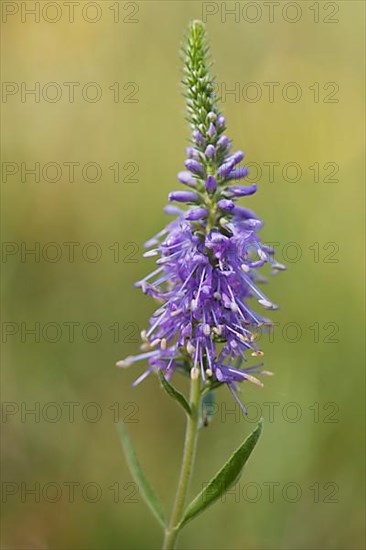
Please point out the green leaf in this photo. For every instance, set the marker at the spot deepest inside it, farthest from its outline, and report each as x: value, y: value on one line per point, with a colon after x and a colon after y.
x: 145, y: 489
x: 174, y: 393
x: 224, y: 479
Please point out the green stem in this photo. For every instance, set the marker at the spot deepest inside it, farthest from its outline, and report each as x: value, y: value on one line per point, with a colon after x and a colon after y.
x: 172, y: 531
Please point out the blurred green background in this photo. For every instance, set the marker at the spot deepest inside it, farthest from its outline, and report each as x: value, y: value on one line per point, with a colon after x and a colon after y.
x: 311, y: 452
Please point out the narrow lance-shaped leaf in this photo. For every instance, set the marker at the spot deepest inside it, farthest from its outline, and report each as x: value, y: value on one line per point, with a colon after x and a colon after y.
x: 174, y: 393
x: 144, y: 487
x: 224, y: 479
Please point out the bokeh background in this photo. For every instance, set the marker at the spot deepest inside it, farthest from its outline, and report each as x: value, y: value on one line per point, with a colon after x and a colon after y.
x: 311, y: 452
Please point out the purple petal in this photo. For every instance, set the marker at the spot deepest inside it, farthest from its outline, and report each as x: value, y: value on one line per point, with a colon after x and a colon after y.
x: 186, y: 178
x: 194, y: 166
x: 226, y: 205
x: 198, y: 137
x: 223, y: 141
x: 210, y: 184
x: 245, y: 213
x: 196, y: 214
x: 236, y: 157
x: 183, y: 196
x: 238, y: 173
x: 172, y: 211
x: 211, y: 132
x: 210, y: 151
x: 221, y: 120
x: 242, y: 190
x: 226, y: 168
x: 192, y: 153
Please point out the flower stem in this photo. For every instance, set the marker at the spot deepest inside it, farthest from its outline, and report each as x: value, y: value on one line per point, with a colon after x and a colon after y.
x: 172, y: 531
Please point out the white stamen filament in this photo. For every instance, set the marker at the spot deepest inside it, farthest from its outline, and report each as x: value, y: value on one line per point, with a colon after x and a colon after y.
x: 195, y: 373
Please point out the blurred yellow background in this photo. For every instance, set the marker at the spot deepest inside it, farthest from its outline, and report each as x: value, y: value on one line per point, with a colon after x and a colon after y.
x: 303, y: 487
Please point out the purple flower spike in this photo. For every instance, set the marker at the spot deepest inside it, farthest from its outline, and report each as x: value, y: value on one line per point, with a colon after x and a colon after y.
x: 196, y: 214
x: 186, y: 178
x: 194, y: 166
x: 208, y: 256
x: 210, y: 151
x: 226, y: 205
x: 242, y: 190
x: 211, y: 184
x: 183, y: 196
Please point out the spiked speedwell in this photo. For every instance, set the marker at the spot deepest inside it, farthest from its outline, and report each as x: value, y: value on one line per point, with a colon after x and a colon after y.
x: 209, y: 255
